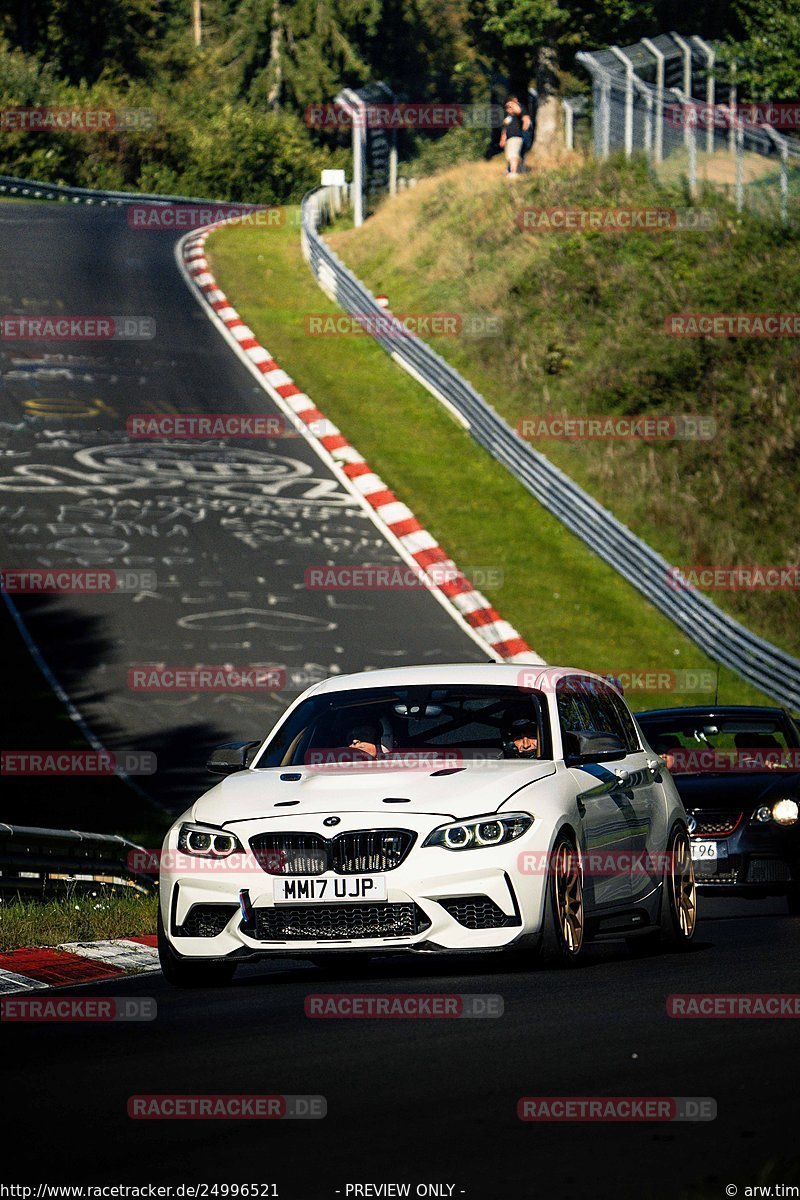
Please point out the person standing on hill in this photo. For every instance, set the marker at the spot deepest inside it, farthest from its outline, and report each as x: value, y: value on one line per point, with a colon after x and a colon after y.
x: 515, y: 132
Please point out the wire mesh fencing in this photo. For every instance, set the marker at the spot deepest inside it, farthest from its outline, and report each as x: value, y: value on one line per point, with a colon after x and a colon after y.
x: 664, y: 98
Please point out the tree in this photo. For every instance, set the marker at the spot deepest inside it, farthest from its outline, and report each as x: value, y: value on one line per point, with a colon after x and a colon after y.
x: 300, y: 52
x: 517, y: 36
x: 768, y: 55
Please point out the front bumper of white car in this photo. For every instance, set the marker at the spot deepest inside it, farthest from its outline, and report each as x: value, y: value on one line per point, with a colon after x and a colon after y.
x: 437, y: 900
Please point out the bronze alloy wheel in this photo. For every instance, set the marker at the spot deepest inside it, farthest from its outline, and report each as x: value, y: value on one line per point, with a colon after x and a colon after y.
x: 568, y: 894
x: 682, y: 890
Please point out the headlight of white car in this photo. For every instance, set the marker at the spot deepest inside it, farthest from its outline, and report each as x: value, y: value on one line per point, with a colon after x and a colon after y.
x: 207, y: 842
x: 480, y: 832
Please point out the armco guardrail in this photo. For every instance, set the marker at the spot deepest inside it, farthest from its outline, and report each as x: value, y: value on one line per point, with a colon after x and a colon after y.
x: 35, y: 189
x: 43, y: 861
x: 767, y: 667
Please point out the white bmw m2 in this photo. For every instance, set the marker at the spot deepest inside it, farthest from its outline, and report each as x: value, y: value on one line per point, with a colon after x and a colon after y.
x: 430, y: 810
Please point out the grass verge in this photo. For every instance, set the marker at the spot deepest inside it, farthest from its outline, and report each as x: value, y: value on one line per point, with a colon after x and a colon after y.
x: 569, y: 605
x: 81, y: 917
x: 583, y: 334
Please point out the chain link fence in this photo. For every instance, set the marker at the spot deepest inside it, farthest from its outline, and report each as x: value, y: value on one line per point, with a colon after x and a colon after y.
x: 673, y: 99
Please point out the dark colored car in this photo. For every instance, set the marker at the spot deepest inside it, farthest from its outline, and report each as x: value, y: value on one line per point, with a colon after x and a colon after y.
x: 737, y: 770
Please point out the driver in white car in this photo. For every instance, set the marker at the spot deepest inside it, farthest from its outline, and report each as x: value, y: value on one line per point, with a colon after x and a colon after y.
x: 521, y: 738
x: 365, y: 738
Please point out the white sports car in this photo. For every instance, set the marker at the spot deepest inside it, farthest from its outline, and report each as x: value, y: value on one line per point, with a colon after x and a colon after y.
x: 430, y: 810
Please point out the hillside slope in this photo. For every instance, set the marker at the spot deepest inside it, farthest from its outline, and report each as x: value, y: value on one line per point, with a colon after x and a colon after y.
x: 583, y: 316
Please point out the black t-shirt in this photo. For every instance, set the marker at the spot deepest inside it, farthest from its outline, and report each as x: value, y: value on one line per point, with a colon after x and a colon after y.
x: 513, y: 125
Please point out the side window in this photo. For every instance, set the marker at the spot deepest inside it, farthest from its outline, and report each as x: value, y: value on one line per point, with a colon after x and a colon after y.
x: 586, y: 704
x: 631, y: 737
x: 574, y: 711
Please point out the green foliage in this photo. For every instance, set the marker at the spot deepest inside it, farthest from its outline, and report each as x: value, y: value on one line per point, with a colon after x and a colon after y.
x: 463, y: 144
x: 197, y: 144
x: 229, y: 114
x: 768, y: 56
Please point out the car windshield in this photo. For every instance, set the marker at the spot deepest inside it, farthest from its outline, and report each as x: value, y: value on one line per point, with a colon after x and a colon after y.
x: 443, y: 726
x: 718, y: 743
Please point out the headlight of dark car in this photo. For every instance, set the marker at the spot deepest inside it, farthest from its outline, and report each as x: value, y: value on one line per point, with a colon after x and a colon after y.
x: 783, y: 812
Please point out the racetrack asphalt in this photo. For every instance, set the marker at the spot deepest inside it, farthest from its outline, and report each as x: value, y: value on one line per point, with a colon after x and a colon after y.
x: 229, y: 529
x: 429, y: 1100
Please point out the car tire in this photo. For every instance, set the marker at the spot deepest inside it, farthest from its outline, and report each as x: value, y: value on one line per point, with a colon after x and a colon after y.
x: 679, y: 894
x: 190, y: 973
x: 563, y: 922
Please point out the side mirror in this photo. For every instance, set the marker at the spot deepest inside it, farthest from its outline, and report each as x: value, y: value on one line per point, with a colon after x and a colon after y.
x: 232, y: 757
x: 583, y: 745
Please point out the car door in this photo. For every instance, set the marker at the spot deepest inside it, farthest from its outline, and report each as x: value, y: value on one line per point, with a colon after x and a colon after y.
x: 614, y: 798
x: 641, y: 775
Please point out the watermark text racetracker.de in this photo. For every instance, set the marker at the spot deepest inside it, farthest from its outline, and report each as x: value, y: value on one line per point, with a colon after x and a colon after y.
x: 756, y: 577
x: 734, y: 1005
x: 60, y: 328
x: 139, y: 1191
x: 64, y: 119
x: 597, y: 864
x: 616, y: 1108
x: 70, y: 581
x: 644, y: 427
x: 224, y: 677
x: 205, y: 425
x: 693, y: 114
x: 404, y: 325
x: 421, y: 115
x: 28, y: 1009
x: 605, y: 219
x: 720, y: 324
x: 240, y: 1107
x: 387, y: 578
x: 77, y: 762
x: 630, y: 679
x: 403, y: 1006
x: 155, y: 217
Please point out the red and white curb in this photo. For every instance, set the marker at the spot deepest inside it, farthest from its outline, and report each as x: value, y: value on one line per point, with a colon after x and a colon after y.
x: 75, y: 962
x: 394, y: 519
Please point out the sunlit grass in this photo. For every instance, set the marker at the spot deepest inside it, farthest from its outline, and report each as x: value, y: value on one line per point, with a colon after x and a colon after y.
x: 86, y: 917
x: 572, y: 607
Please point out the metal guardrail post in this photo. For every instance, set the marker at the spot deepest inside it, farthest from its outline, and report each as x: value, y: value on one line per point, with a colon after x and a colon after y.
x: 689, y: 137
x: 732, y: 102
x: 739, y: 185
x: 686, y: 51
x: 647, y: 95
x: 569, y: 131
x: 628, y: 65
x: 710, y: 88
x: 658, y: 55
x: 783, y: 149
x: 601, y: 91
x: 605, y: 121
